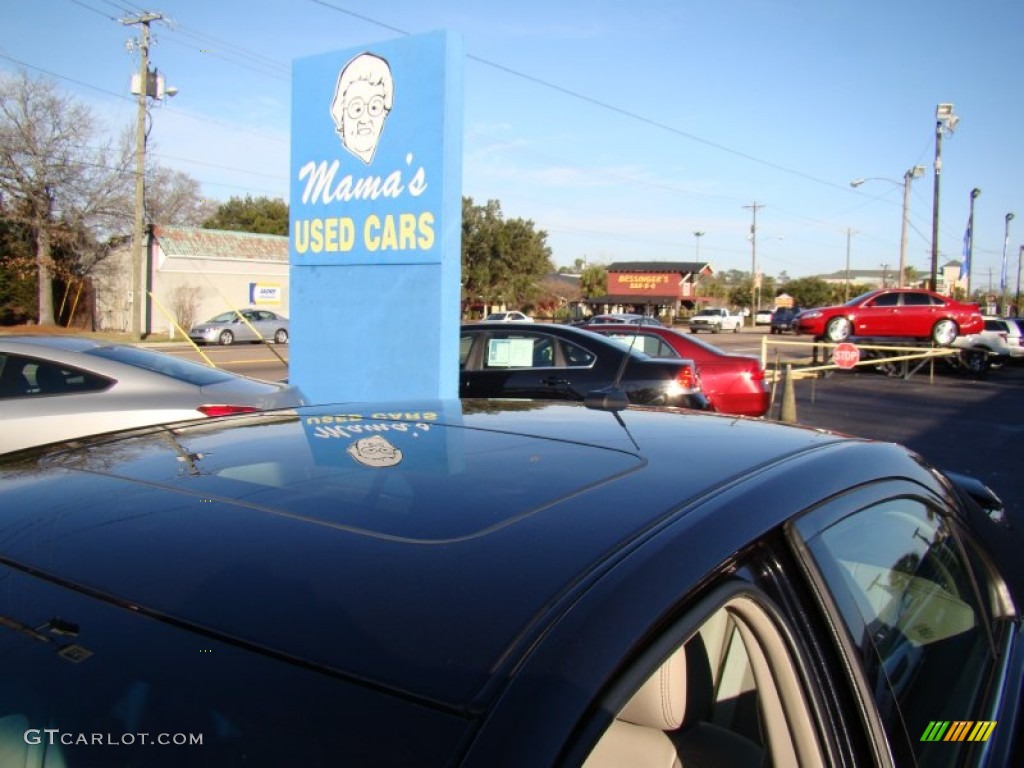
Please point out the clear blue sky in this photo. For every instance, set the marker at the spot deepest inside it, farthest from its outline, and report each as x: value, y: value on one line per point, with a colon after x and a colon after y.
x: 618, y: 128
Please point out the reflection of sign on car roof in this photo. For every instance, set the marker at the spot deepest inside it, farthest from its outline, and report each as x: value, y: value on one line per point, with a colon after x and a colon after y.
x: 510, y: 353
x: 374, y: 452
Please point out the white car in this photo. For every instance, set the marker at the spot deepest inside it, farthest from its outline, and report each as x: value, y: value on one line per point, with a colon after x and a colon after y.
x: 1001, y: 338
x: 63, y: 387
x: 507, y: 317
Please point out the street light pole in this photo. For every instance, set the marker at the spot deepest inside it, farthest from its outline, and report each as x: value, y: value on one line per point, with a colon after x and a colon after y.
x: 944, y: 120
x: 913, y: 173
x: 753, y: 260
x: 846, y: 290
x: 969, y: 245
x: 1020, y: 260
x: 1002, y: 271
x: 698, y: 236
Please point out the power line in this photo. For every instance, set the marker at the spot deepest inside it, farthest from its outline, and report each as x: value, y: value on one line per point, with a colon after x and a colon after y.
x: 604, y: 104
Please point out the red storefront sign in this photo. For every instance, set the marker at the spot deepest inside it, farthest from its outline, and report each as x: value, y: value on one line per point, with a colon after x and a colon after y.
x: 645, y: 284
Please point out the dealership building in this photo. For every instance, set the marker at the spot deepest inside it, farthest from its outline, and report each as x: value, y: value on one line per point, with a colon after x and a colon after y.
x: 192, y: 274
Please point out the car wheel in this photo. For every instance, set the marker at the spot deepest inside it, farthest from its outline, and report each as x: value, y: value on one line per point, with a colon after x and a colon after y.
x: 281, y: 337
x: 736, y: 328
x: 944, y: 332
x: 995, y: 360
x: 975, y: 361
x: 226, y: 338
x: 838, y: 329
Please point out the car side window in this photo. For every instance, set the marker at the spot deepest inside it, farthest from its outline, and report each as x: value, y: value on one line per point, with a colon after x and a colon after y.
x: 885, y: 300
x: 465, y: 344
x: 656, y: 347
x: 519, y: 350
x: 912, y: 299
x: 911, y: 602
x: 576, y: 356
x: 26, y: 377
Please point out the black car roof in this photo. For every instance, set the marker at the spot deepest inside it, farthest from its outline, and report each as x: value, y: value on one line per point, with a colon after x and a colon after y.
x: 370, y: 569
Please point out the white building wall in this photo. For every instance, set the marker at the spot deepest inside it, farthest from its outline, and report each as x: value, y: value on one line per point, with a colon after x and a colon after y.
x: 215, y: 285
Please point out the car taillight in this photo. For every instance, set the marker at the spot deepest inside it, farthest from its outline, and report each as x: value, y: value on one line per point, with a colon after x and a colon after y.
x: 686, y: 379
x: 223, y: 409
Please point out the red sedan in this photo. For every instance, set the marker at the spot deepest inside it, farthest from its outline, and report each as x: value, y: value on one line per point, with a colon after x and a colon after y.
x: 906, y: 312
x: 733, y: 384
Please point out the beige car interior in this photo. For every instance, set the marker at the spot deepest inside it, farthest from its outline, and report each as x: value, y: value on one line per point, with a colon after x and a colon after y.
x: 23, y: 745
x: 729, y: 696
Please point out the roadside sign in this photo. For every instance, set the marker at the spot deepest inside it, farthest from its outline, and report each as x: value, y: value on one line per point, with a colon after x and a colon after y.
x: 846, y: 355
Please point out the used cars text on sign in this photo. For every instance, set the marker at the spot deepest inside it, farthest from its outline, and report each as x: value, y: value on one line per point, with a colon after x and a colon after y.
x: 375, y: 220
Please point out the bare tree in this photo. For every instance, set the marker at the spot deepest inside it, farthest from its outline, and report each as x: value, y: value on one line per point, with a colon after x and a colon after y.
x: 175, y: 198
x: 70, y: 192
x: 185, y: 304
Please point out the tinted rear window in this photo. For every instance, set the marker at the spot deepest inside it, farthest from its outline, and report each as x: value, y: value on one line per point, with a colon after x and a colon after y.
x: 157, y: 362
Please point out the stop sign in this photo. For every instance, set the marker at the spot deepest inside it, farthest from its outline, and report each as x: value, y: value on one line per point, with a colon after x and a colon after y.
x: 846, y: 355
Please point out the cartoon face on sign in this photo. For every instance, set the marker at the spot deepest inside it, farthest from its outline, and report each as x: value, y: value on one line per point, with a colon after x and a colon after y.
x: 362, y: 101
x: 375, y: 452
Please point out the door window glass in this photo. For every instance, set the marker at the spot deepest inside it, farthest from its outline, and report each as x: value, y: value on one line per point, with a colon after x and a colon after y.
x: 576, y: 356
x: 25, y: 377
x: 912, y: 299
x: 885, y: 300
x: 911, y: 604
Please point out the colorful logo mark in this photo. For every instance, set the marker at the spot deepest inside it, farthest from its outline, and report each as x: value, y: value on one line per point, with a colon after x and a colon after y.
x: 959, y: 730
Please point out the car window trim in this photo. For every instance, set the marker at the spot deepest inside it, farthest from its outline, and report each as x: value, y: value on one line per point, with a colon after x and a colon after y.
x: 813, y: 521
x: 765, y: 622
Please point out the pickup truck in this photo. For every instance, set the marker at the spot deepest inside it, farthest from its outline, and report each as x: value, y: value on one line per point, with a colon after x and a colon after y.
x: 715, y: 320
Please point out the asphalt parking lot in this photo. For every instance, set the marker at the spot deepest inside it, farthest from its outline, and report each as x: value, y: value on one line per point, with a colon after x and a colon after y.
x: 959, y: 423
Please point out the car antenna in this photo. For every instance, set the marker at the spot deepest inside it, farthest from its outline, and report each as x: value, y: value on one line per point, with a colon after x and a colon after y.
x: 613, y: 398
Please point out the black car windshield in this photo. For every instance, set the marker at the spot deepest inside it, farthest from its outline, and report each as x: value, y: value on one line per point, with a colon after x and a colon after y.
x: 182, y: 370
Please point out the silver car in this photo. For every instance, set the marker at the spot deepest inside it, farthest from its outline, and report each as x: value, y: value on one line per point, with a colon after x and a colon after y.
x: 227, y: 327
x: 62, y: 387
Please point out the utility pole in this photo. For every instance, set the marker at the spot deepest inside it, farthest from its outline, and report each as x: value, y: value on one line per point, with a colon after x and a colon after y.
x: 753, y: 261
x: 138, y: 303
x: 944, y: 120
x: 846, y: 290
